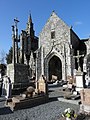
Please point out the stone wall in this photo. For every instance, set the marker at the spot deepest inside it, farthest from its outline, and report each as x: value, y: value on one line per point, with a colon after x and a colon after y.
x: 62, y: 33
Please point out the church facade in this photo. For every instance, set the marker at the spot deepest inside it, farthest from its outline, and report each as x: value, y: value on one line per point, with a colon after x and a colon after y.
x: 56, y: 53
x: 58, y: 46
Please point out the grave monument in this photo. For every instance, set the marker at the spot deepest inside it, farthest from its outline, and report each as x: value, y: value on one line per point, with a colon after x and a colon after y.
x: 22, y: 68
x: 17, y: 72
x: 80, y: 81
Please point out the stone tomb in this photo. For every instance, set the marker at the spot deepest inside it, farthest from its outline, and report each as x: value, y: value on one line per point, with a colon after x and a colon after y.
x: 19, y: 102
x: 23, y: 101
x: 85, y: 100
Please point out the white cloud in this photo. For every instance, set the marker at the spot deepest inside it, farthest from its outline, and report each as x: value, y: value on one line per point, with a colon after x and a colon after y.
x: 78, y: 23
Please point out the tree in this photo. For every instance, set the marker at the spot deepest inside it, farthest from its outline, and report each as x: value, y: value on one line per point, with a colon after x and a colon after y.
x: 9, y: 56
x: 2, y: 62
x: 2, y: 57
x: 3, y: 69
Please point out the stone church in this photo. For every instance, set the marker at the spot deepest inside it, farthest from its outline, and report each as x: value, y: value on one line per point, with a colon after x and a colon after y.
x: 57, y: 53
x: 58, y: 46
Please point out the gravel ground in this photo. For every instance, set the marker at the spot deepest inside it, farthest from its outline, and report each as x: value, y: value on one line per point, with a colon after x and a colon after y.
x: 48, y: 111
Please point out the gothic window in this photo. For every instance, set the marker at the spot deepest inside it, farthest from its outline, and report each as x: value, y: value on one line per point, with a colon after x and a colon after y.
x: 52, y: 34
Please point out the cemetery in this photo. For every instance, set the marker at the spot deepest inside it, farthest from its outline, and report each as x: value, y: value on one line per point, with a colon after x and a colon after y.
x: 35, y: 70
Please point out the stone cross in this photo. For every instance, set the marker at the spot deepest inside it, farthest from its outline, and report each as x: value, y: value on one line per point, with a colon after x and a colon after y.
x: 16, y: 21
x: 78, y: 57
x: 15, y: 41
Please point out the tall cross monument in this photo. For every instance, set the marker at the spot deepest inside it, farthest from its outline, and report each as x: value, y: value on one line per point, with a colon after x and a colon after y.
x: 80, y: 81
x: 15, y: 39
x: 78, y: 57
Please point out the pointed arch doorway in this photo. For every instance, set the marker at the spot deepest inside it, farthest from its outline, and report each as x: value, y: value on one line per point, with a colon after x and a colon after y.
x: 55, y: 68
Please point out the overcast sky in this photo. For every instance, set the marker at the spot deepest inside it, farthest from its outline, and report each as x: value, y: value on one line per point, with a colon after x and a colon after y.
x: 73, y: 12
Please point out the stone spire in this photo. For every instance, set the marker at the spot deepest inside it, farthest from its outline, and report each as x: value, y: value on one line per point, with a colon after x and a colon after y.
x: 29, y: 28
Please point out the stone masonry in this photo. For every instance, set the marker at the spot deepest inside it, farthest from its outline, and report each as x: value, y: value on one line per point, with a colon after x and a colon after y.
x: 18, y: 74
x: 62, y: 45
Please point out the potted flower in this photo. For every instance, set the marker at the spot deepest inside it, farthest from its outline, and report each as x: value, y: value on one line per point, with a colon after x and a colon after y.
x: 69, y: 114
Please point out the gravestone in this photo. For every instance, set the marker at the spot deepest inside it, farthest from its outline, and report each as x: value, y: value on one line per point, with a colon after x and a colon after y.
x: 85, y: 100
x: 6, y: 87
x: 79, y: 80
x: 42, y: 85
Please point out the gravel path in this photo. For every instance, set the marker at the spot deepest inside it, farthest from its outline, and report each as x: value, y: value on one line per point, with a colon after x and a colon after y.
x: 48, y: 111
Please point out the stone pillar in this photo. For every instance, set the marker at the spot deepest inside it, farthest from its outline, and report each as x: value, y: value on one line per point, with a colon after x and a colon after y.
x: 32, y: 64
x: 16, y: 44
x: 72, y: 61
x: 42, y: 61
x: 22, y: 47
x: 16, y: 41
x: 36, y: 75
x: 13, y: 46
x: 65, y: 63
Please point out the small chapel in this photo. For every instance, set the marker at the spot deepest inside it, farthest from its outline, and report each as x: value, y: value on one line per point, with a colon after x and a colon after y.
x: 56, y: 53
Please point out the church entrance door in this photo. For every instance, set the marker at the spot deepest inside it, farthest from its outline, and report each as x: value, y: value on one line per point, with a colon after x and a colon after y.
x: 55, y: 68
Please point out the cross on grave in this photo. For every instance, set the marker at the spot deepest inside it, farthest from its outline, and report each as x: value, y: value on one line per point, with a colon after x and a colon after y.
x: 78, y: 57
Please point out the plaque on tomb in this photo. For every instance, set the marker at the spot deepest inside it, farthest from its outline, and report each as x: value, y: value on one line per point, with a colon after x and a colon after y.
x: 79, y: 81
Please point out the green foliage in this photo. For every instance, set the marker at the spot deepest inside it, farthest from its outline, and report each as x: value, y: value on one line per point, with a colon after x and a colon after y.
x: 2, y: 56
x: 9, y: 56
x: 68, y: 115
x: 2, y: 69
